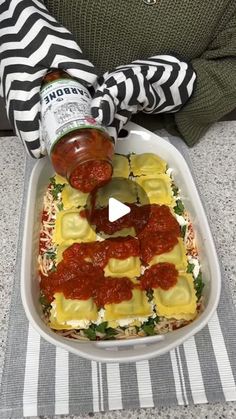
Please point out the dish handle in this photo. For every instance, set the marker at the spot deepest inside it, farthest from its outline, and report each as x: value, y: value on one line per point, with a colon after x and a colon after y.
x: 137, y: 342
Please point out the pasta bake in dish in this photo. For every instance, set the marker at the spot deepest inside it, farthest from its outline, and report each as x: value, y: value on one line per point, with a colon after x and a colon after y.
x: 129, y: 278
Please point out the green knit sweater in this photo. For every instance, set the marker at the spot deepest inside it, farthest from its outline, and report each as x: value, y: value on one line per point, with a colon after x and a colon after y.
x: 115, y: 32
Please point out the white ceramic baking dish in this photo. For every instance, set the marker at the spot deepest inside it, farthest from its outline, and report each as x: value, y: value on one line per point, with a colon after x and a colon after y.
x: 139, y: 140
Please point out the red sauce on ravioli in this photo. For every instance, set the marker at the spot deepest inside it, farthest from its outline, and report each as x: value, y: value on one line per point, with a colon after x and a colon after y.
x: 113, y: 290
x: 98, y: 253
x: 80, y: 274
x: 145, y: 219
x: 156, y: 244
x: 163, y: 275
x: 83, y: 281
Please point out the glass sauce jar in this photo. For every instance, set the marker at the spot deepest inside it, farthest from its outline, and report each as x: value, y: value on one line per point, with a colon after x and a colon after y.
x: 80, y: 150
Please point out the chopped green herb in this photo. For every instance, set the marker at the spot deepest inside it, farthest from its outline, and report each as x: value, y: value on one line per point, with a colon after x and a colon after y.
x: 190, y: 268
x: 101, y: 328
x: 156, y: 319
x: 93, y: 326
x: 110, y: 333
x: 183, y: 230
x: 50, y: 255
x: 44, y: 302
x: 179, y: 208
x: 149, y: 326
x: 149, y: 329
x: 199, y: 285
x: 60, y: 206
x: 175, y: 189
x: 149, y: 321
x: 52, y: 180
x: 150, y: 295
x: 90, y: 333
x: 56, y: 190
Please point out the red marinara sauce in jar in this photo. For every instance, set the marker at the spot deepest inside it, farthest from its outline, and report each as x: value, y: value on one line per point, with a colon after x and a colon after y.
x: 80, y: 149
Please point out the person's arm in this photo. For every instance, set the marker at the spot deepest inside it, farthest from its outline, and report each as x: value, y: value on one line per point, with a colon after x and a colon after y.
x: 215, y: 93
x: 32, y: 42
x: 162, y: 83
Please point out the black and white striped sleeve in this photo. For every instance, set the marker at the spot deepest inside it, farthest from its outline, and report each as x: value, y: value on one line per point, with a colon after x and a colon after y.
x: 31, y: 42
x: 162, y: 83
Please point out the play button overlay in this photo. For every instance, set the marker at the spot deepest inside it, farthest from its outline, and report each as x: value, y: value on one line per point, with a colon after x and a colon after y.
x: 116, y: 210
x: 119, y: 208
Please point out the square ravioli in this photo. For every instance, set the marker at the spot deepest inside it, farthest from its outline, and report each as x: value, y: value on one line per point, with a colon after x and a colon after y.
x: 66, y: 309
x: 147, y: 164
x: 59, y: 180
x: 70, y: 225
x: 60, y: 249
x: 118, y: 268
x: 117, y: 188
x: 157, y: 188
x: 177, y: 256
x: 137, y: 306
x: 179, y: 301
x: 71, y: 197
x: 120, y: 166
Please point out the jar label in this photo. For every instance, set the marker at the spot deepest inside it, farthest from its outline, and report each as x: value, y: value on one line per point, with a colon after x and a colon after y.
x: 65, y: 107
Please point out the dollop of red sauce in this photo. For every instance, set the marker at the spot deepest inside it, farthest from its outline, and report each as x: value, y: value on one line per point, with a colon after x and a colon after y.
x: 156, y: 244
x: 80, y: 274
x: 83, y: 281
x: 75, y: 280
x: 79, y: 279
x: 113, y: 290
x: 145, y: 219
x: 163, y: 275
x: 160, y: 220
x: 98, y: 253
x: 99, y: 218
x: 88, y: 176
